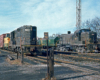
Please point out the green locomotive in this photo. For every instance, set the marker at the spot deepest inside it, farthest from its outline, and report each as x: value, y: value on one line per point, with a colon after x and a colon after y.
x: 52, y: 42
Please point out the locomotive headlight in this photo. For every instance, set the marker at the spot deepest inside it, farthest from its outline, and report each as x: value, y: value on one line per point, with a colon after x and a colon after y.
x: 92, y: 34
x: 75, y: 38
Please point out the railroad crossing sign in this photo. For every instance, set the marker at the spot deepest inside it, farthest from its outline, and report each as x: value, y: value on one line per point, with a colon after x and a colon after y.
x: 46, y: 35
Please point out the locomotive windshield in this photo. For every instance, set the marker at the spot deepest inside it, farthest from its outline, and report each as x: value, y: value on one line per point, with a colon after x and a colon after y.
x: 85, y: 30
x: 81, y: 31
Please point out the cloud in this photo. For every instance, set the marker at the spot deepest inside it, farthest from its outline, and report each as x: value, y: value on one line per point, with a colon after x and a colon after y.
x: 90, y: 9
x: 53, y: 16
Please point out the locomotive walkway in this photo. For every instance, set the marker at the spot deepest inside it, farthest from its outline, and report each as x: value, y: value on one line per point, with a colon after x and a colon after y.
x: 35, y: 68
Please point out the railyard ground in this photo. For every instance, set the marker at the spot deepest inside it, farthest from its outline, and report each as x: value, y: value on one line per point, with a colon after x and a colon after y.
x: 67, y: 67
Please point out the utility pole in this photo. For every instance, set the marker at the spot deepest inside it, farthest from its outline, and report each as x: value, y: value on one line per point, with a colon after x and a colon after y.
x: 21, y: 49
x: 17, y: 52
x: 46, y: 37
x: 78, y: 14
x: 51, y: 63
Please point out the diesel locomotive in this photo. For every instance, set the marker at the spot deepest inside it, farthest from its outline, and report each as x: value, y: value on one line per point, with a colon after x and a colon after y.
x: 52, y: 42
x: 80, y: 40
x: 24, y: 37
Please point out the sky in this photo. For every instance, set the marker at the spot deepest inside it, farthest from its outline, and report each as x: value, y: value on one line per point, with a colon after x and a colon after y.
x: 53, y: 16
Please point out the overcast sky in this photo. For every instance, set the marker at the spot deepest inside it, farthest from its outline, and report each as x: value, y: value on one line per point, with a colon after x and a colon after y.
x: 53, y: 16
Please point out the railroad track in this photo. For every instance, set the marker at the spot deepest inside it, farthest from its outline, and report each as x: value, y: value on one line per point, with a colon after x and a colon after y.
x: 43, y: 60
x: 40, y: 60
x: 73, y: 57
x: 56, y: 60
x: 66, y: 64
x: 89, y: 55
x: 72, y: 65
x: 77, y: 56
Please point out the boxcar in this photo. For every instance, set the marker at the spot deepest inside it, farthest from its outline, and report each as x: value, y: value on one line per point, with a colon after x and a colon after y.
x: 2, y: 40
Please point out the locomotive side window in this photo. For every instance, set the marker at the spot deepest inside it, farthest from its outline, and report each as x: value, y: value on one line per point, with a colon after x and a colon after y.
x: 34, y: 29
x: 27, y: 29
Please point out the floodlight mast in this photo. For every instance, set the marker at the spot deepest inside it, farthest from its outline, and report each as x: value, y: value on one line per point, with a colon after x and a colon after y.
x: 78, y: 14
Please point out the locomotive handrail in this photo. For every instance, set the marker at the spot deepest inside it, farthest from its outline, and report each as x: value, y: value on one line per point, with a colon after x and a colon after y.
x: 31, y: 45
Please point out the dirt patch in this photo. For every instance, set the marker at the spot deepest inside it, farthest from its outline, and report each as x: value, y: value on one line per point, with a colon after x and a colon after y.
x: 47, y: 78
x: 16, y: 61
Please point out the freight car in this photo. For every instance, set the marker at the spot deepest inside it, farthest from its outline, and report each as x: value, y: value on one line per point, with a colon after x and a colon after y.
x: 2, y: 41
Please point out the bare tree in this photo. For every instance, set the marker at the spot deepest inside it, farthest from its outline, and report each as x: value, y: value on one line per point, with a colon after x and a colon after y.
x: 93, y: 24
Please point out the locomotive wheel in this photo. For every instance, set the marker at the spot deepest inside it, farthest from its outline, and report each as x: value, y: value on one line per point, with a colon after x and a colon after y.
x: 33, y: 54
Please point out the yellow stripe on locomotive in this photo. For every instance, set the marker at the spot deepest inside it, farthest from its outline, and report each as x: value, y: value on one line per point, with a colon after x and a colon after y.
x: 6, y: 41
